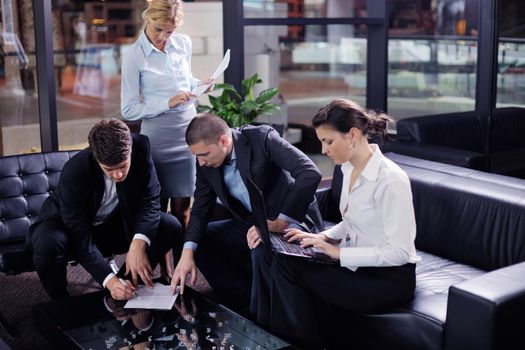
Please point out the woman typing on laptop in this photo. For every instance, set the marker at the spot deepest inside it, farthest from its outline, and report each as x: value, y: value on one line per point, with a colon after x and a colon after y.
x: 374, y: 242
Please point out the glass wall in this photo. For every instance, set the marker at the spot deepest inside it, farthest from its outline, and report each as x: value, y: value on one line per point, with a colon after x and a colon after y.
x: 89, y: 41
x: 19, y: 121
x: 327, y: 62
x: 432, y: 55
x: 511, y: 54
x: 304, y: 9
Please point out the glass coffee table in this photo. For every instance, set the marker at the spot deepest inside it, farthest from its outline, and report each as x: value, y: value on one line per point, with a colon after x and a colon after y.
x: 96, y: 321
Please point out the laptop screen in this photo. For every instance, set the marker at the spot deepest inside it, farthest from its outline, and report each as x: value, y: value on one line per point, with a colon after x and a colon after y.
x: 259, y: 212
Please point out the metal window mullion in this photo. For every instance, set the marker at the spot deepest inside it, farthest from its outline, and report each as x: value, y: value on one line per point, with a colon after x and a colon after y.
x: 486, y: 69
x: 233, y: 31
x: 377, y: 57
x: 45, y: 75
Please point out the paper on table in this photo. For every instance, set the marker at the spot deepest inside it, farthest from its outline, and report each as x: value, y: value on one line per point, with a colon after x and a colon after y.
x: 199, y: 90
x: 159, y: 297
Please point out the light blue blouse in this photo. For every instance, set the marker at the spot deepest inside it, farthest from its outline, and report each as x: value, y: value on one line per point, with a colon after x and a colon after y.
x: 150, y: 77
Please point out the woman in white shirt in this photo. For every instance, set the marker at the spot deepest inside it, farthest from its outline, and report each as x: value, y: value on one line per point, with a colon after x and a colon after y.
x: 373, y: 244
x: 156, y: 88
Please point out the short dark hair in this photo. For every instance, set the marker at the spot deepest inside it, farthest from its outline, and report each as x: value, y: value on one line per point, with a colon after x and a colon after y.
x: 342, y: 115
x: 110, y: 141
x: 206, y: 127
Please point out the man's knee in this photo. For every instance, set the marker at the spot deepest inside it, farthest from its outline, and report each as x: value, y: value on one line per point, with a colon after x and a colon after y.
x: 48, y: 239
x: 170, y: 228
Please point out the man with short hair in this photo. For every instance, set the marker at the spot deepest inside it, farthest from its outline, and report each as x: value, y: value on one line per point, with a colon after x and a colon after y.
x: 107, y: 202
x: 228, y: 253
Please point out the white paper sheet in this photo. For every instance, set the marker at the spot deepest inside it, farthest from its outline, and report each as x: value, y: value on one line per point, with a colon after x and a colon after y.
x: 222, y: 66
x: 159, y: 297
x: 199, y: 90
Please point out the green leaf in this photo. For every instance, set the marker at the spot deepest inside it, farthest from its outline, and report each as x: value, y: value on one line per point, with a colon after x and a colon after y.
x: 238, y: 109
x: 247, y: 86
x: 269, y: 109
x: 267, y: 95
x: 202, y: 108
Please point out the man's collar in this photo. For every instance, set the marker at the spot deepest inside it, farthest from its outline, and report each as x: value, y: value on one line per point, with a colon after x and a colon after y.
x: 232, y: 158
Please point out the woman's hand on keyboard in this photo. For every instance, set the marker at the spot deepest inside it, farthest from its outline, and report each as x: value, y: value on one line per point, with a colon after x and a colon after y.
x: 316, y: 240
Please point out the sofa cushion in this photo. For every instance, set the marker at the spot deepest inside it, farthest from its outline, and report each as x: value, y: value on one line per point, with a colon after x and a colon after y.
x: 419, y: 324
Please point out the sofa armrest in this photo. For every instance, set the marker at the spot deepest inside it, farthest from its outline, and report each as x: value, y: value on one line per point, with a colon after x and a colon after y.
x: 487, y: 312
x: 441, y: 154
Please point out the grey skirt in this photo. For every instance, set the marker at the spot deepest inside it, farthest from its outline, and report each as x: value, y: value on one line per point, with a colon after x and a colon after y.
x: 173, y: 160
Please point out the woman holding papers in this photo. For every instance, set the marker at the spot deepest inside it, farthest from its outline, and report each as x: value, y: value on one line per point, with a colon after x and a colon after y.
x: 374, y: 242
x: 157, y: 86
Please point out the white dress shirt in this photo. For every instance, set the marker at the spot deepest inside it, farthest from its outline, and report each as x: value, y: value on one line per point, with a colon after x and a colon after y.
x: 378, y: 226
x: 150, y: 77
x: 107, y: 206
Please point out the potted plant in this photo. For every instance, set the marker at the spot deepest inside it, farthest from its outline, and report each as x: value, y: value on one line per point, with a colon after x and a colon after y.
x: 242, y: 108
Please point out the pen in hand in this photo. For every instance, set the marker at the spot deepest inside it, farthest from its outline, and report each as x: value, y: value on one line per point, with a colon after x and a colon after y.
x: 114, y: 268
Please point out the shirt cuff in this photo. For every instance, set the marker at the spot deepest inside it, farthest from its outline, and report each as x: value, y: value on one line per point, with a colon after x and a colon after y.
x: 106, y: 280
x: 142, y: 237
x: 190, y: 245
x: 335, y: 232
x: 194, y: 83
x: 287, y: 219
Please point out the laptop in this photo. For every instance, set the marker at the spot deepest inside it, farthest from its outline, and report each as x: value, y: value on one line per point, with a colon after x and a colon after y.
x: 274, y: 240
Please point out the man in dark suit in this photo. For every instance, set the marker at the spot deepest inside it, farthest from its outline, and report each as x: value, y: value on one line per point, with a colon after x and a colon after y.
x: 107, y: 202
x: 226, y: 253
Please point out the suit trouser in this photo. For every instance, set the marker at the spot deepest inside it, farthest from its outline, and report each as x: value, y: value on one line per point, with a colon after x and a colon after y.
x: 239, y: 276
x: 52, y: 248
x: 299, y: 286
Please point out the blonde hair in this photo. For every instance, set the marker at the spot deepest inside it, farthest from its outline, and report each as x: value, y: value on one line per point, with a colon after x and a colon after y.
x: 163, y: 12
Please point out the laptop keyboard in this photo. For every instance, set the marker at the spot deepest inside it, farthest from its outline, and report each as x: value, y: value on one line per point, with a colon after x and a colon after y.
x: 280, y: 243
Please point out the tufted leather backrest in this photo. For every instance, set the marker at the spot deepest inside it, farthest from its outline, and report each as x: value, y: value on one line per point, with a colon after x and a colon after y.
x: 25, y: 182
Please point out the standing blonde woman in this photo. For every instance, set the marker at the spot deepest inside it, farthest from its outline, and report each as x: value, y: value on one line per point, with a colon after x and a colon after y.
x: 156, y: 88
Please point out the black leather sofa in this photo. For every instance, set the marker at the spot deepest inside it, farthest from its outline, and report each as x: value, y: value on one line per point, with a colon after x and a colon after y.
x: 25, y: 182
x: 471, y: 235
x: 470, y: 290
x: 459, y: 139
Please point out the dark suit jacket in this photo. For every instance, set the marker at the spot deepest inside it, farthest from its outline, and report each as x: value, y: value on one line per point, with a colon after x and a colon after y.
x: 285, y: 175
x: 78, y: 196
